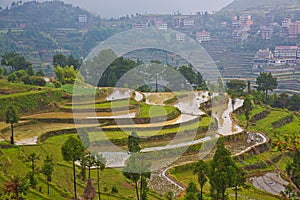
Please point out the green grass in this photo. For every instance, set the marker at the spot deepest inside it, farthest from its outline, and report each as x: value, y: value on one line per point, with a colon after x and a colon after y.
x: 37, y: 129
x: 13, y: 88
x: 265, y: 125
x: 257, y: 109
x: 108, y: 104
x: 80, y: 90
x: 62, y: 184
x: 147, y: 111
x: 204, y: 122
x: 291, y: 128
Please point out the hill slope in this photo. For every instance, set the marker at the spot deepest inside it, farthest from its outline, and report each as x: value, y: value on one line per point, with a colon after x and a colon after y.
x: 243, y: 5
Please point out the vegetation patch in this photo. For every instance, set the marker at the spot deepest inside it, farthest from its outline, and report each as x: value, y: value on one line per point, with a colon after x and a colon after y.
x: 30, y: 102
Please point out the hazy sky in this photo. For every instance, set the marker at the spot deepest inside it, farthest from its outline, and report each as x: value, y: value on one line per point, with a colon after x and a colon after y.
x: 117, y: 8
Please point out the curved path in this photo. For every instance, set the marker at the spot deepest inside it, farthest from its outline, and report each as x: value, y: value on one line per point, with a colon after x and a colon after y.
x: 190, y: 107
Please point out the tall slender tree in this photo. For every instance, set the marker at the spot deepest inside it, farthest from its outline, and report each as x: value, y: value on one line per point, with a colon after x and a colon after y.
x: 47, y: 170
x: 11, y: 117
x: 32, y: 158
x: 100, y: 162
x: 248, y: 107
x: 72, y: 150
x: 201, y: 169
x: 137, y: 168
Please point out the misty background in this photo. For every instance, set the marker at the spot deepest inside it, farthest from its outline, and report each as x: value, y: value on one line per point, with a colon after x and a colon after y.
x: 118, y: 8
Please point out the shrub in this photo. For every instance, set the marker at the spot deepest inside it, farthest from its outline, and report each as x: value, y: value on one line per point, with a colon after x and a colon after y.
x: 12, y: 78
x: 39, y: 81
x: 40, y: 73
x: 114, y: 190
x: 105, y: 189
x: 20, y: 74
x: 26, y: 80
x: 57, y: 84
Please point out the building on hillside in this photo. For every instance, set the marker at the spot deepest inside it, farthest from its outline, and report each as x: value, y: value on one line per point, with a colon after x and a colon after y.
x: 283, y: 55
x: 286, y: 52
x: 203, y: 36
x: 82, y: 19
x: 140, y: 25
x: 293, y: 30
x: 266, y: 33
x: 235, y: 23
x: 162, y: 26
x: 262, y: 58
x: 240, y: 35
x: 188, y: 22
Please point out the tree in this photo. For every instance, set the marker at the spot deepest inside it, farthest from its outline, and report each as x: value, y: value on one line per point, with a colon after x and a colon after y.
x: 189, y: 73
x: 47, y: 170
x: 40, y: 73
x: 100, y: 162
x: 60, y: 59
x: 129, y: 172
x: 83, y: 164
x: 15, y: 188
x: 133, y: 143
x: 283, y: 100
x: 190, y: 196
x: 248, y: 107
x: 32, y: 158
x: 138, y: 170
x: 12, y: 78
x: 236, y: 87
x: 239, y: 180
x: 15, y: 61
x: 249, y: 87
x: 30, y: 71
x: 60, y: 75
x: 11, y: 117
x: 222, y: 171
x: 201, y: 169
x: 90, y: 163
x: 265, y: 82
x: 20, y: 74
x: 72, y: 150
x: 191, y: 192
x: 293, y: 103
x: 74, y: 62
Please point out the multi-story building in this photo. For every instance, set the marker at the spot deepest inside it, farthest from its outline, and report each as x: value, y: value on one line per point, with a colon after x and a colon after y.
x: 240, y: 35
x: 283, y: 55
x: 203, y: 36
x: 82, y: 18
x: 188, y: 22
x: 263, y: 57
x: 140, y: 25
x: 286, y: 52
x: 293, y: 30
x: 162, y: 26
x: 266, y: 33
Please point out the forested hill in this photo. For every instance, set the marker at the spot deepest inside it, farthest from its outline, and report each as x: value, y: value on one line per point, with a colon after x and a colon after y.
x: 46, y: 15
x: 252, y: 5
x: 39, y: 30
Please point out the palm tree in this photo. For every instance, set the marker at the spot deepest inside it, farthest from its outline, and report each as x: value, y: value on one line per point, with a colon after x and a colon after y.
x: 100, y: 162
